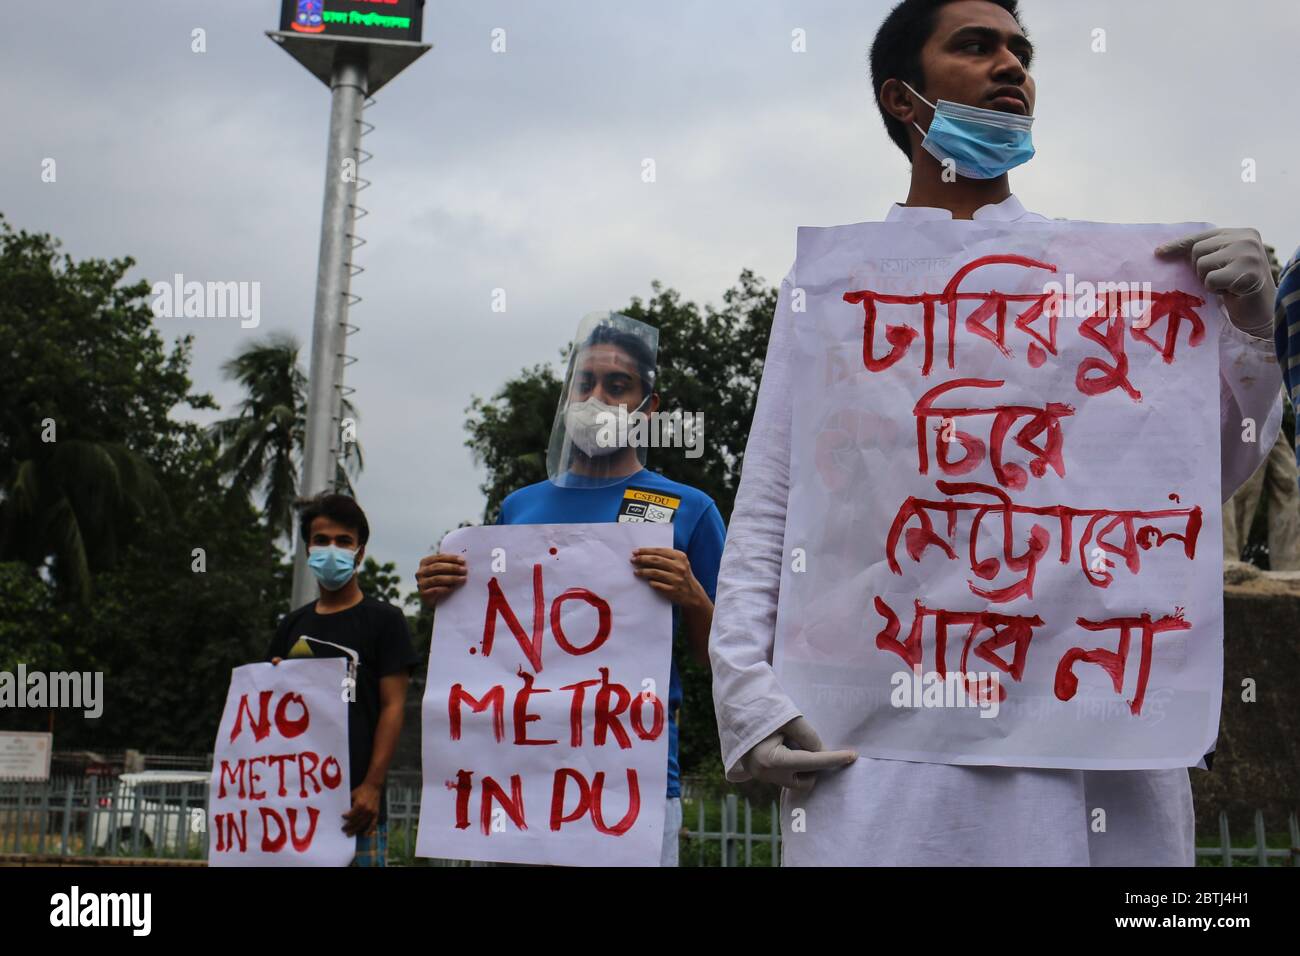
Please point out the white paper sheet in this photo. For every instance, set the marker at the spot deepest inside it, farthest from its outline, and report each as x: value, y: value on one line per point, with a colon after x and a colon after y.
x: 1120, y: 409
x: 614, y: 637
x: 280, y: 774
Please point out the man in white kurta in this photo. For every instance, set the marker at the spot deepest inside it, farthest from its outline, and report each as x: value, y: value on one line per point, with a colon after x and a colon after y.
x: 900, y: 813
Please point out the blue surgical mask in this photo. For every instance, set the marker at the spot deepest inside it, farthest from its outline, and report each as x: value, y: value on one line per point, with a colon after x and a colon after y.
x: 332, y: 566
x: 983, y: 144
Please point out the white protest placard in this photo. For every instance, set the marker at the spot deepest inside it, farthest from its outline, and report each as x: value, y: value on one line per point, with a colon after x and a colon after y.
x: 545, y: 729
x: 1005, y: 481
x: 280, y: 774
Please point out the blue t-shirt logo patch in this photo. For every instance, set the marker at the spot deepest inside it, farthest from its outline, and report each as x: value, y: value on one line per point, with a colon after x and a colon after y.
x: 641, y: 504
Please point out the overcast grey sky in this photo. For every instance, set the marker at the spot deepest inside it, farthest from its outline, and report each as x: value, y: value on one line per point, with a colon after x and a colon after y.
x: 522, y: 170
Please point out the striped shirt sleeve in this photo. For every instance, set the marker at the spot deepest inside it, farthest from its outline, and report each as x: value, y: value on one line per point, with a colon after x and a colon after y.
x: 1286, y: 331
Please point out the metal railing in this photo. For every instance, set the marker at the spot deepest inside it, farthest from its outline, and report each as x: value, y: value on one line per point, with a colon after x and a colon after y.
x: 104, y: 817
x: 1261, y: 853
x: 735, y: 834
x: 404, y: 821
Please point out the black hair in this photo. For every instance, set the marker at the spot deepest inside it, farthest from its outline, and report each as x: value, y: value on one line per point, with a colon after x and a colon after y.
x: 338, y: 508
x: 606, y: 333
x: 896, y: 53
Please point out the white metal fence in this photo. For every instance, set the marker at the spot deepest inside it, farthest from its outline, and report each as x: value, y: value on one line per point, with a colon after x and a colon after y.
x: 1260, y: 853
x: 737, y: 835
x: 104, y: 817
x: 112, y: 818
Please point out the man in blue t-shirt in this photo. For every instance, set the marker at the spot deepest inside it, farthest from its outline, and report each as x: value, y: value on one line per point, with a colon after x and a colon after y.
x: 597, y: 473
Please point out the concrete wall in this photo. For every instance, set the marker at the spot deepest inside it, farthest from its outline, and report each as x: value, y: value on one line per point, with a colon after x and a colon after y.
x: 1257, y: 763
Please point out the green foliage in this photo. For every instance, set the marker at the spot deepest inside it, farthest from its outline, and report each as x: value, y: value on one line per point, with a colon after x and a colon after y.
x: 31, y: 621
x: 84, y: 414
x: 380, y: 581
x: 509, y: 434
x: 167, y: 635
x: 262, y: 445
x: 101, y: 514
x: 420, y: 623
x: 710, y: 362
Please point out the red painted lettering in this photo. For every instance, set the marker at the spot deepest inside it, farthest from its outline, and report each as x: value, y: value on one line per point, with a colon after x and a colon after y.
x: 253, y: 777
x: 261, y: 724
x: 270, y: 845
x: 602, y: 627
x: 513, y: 805
x: 302, y: 843
x: 306, y: 772
x: 522, y: 717
x: 497, y: 604
x: 331, y: 777
x: 287, y: 727
x: 607, y: 717
x: 233, y: 775
x: 495, y: 698
x: 575, y: 709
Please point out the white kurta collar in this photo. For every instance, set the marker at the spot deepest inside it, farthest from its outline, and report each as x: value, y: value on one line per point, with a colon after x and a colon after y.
x: 1009, y: 210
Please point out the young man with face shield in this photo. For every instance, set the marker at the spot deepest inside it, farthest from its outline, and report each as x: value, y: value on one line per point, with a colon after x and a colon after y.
x: 374, y: 636
x: 952, y: 82
x: 596, y: 469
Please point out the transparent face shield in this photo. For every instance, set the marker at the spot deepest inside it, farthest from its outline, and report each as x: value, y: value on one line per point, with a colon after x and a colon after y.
x: 608, y: 385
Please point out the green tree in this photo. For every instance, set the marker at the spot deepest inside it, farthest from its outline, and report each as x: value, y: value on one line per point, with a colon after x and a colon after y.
x: 380, y: 581
x: 195, y: 597
x: 32, y: 622
x: 171, y: 599
x: 710, y: 363
x: 262, y: 445
x: 84, y: 412
x: 509, y: 433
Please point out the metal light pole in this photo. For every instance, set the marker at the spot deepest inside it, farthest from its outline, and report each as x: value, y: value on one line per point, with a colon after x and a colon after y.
x: 353, y: 66
x: 322, y: 451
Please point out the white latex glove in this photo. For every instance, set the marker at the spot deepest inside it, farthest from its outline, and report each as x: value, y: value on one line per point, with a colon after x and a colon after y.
x: 792, y: 756
x: 1233, y: 263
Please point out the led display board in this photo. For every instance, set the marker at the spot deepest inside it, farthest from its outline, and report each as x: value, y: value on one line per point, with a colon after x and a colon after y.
x: 364, y: 19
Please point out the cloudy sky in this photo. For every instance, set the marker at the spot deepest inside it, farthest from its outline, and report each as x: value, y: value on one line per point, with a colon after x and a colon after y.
x: 522, y: 170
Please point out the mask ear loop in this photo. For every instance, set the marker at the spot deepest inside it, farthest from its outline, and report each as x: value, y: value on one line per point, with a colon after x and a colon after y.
x: 923, y: 100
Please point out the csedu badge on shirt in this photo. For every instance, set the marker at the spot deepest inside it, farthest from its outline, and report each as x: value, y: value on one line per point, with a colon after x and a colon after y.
x: 640, y: 504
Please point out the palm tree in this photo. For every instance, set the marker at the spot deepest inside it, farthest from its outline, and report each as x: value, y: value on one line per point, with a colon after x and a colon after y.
x: 68, y: 500
x: 262, y: 446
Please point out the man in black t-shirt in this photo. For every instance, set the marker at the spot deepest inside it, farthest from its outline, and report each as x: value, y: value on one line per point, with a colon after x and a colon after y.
x: 374, y: 636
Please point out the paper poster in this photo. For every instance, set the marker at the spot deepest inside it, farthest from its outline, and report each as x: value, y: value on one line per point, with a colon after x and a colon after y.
x: 25, y: 755
x: 280, y: 776
x: 1003, y: 542
x: 545, y: 724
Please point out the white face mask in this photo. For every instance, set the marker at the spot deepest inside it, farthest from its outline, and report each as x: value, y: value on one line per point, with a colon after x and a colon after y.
x: 593, y: 426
